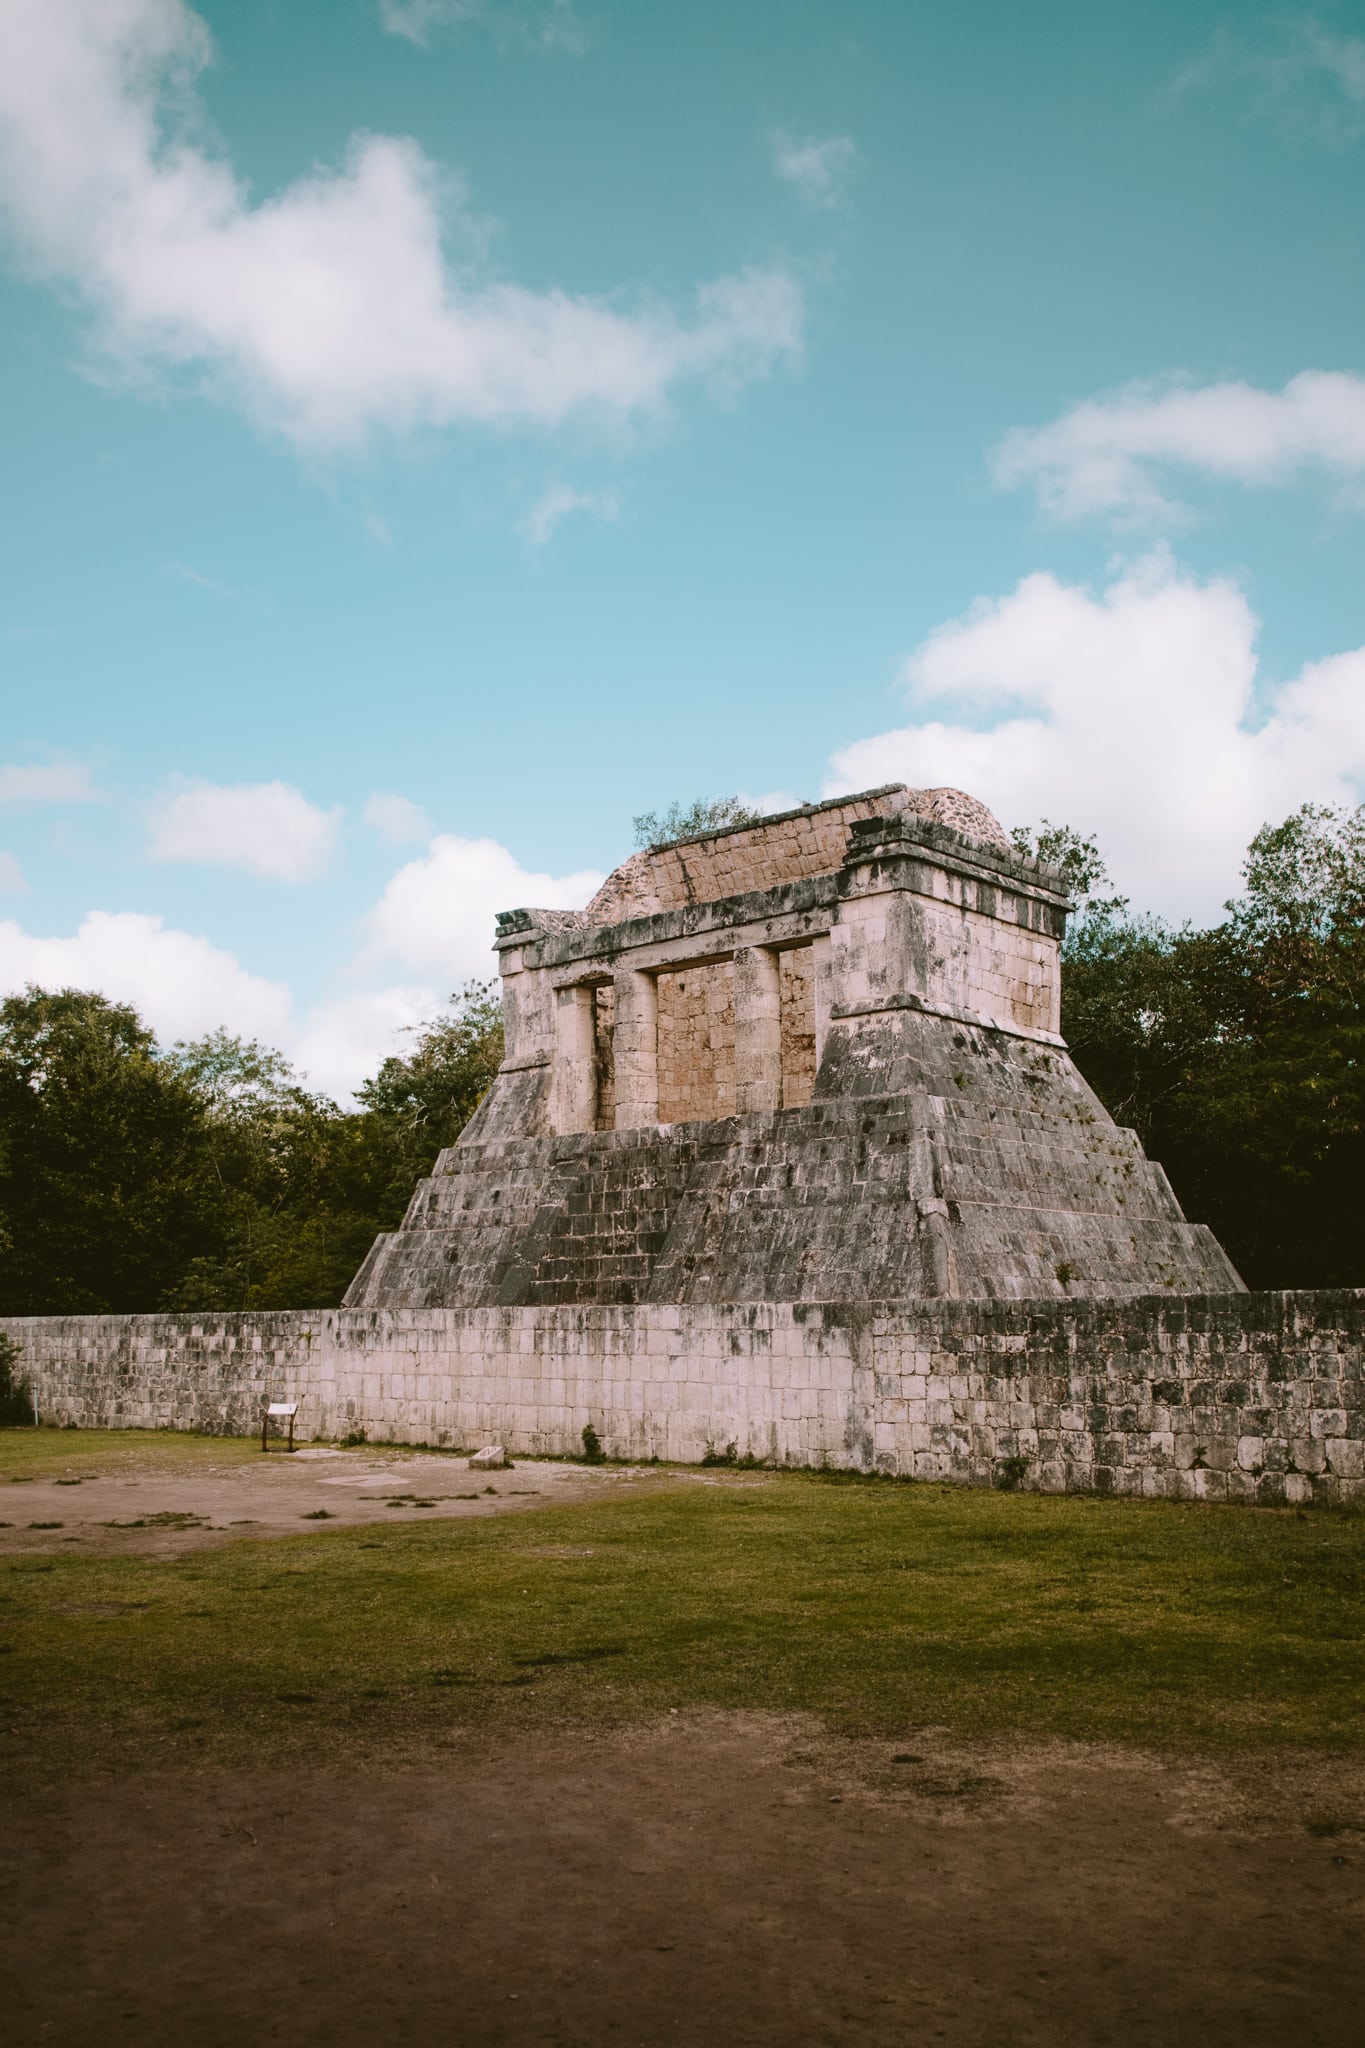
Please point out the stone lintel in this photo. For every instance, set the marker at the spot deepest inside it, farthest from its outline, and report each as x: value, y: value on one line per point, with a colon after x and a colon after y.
x: 602, y: 946
x: 699, y: 949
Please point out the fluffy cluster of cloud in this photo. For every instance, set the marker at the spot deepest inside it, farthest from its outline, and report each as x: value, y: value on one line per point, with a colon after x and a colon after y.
x: 183, y: 985
x: 334, y: 307
x: 1136, y: 713
x: 434, y: 924
x: 1103, y: 455
x: 436, y: 915
x: 819, y: 170
x: 268, y: 828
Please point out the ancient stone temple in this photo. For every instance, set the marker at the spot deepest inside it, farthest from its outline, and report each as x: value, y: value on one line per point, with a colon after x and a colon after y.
x: 816, y: 1059
x: 787, y: 1161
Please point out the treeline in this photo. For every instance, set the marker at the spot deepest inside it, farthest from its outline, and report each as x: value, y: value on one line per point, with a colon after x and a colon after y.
x: 1237, y: 1053
x: 206, y: 1176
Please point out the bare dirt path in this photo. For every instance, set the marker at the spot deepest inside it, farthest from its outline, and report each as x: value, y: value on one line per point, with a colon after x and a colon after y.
x: 143, y: 1507
x: 708, y: 1879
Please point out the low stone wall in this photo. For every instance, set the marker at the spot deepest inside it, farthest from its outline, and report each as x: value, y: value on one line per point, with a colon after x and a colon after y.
x: 1246, y: 1397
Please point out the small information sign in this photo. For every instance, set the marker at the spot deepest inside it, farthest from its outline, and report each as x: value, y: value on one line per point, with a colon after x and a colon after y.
x: 278, y: 1411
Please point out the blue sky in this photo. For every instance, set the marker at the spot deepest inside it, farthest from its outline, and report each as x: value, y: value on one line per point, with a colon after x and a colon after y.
x: 435, y: 431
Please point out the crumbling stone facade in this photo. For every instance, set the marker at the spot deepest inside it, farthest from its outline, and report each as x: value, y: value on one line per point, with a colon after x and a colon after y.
x: 815, y: 1059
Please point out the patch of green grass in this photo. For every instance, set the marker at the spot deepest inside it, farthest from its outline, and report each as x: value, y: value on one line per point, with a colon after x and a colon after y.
x: 877, y: 1607
x: 97, y: 1454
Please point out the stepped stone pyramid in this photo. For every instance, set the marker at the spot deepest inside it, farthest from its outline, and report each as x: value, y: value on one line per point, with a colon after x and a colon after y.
x: 813, y: 1059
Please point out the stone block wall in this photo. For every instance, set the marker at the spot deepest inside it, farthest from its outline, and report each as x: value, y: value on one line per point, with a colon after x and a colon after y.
x: 696, y: 1042
x: 1256, y: 1398
x: 785, y: 846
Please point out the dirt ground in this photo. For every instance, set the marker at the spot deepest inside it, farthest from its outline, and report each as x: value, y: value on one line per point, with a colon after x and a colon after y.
x: 148, y: 1512
x: 736, y: 1879
x: 741, y: 1878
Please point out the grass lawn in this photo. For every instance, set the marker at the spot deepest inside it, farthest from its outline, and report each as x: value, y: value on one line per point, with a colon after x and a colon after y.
x: 43, y: 1453
x: 874, y: 1605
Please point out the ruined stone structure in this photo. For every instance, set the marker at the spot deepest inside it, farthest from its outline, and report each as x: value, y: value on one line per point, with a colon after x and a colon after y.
x: 813, y: 1059
x: 787, y: 1154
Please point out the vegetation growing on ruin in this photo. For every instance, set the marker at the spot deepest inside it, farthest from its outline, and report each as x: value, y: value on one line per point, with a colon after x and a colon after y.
x: 690, y: 821
x: 878, y: 1606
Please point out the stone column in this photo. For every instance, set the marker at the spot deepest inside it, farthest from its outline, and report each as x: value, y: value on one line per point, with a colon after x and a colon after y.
x: 573, y: 1090
x: 635, y: 1041
x: 758, y: 1031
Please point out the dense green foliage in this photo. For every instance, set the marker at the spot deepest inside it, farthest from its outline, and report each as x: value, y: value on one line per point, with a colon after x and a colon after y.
x: 877, y: 1606
x: 206, y: 1176
x: 1238, y: 1053
x: 689, y: 821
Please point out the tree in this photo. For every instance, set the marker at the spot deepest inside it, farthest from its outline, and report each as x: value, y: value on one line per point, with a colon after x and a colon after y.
x: 690, y: 821
x: 1282, y: 1098
x: 305, y: 1187
x: 268, y: 1156
x: 1076, y: 858
x: 1238, y: 1053
x: 430, y: 1094
x: 102, y: 1196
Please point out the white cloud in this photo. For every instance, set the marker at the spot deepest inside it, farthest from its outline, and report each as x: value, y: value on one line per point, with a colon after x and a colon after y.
x: 268, y: 828
x: 1131, y: 714
x: 535, y: 24
x: 182, y: 985
x: 1101, y: 456
x: 334, y: 307
x: 397, y: 817
x: 26, y: 785
x: 343, y: 1042
x: 437, y: 914
x: 558, y: 503
x: 819, y: 170
x: 12, y: 878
